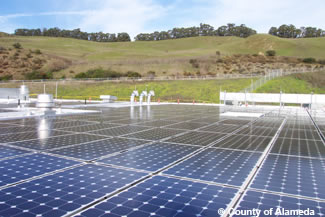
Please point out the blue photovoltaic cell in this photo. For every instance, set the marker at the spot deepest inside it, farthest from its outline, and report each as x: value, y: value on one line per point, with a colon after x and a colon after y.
x: 14, y: 137
x: 10, y: 152
x: 292, y: 175
x: 93, y: 150
x: 217, y: 165
x: 162, y: 196
x: 58, y: 142
x: 61, y: 193
x: 265, y: 201
x: 197, y: 138
x: 155, y: 134
x: 258, y: 131
x: 299, y: 147
x: 118, y: 131
x: 244, y: 142
x: 20, y: 168
x: 151, y: 157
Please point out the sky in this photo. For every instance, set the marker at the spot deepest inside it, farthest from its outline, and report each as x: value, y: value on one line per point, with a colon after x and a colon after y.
x: 144, y: 16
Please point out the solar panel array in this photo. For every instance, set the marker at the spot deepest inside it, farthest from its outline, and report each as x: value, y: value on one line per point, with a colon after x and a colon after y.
x: 167, y: 160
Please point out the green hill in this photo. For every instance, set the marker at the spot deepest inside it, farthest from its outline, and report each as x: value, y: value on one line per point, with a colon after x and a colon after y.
x: 163, y: 57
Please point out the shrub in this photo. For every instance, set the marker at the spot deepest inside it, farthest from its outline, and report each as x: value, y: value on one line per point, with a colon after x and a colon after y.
x: 37, y: 61
x: 270, y: 53
x: 185, y: 73
x: 29, y: 55
x: 99, y: 73
x: 57, y: 65
x: 321, y: 62
x: 218, y: 53
x: 194, y: 63
x: 151, y: 74
x: 17, y: 45
x: 255, y: 55
x: 37, y: 51
x: 132, y: 74
x: 309, y: 60
x: 34, y: 75
x: 6, y: 78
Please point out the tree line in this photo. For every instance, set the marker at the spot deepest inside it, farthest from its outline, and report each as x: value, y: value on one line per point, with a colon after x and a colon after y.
x: 76, y: 33
x: 203, y: 30
x: 290, y: 31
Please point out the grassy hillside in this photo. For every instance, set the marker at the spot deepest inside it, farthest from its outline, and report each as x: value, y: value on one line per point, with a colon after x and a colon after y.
x: 186, y: 91
x: 163, y: 57
x: 296, y: 83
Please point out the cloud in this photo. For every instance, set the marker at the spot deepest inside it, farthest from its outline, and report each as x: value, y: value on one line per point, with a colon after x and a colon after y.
x: 262, y: 14
x: 130, y: 16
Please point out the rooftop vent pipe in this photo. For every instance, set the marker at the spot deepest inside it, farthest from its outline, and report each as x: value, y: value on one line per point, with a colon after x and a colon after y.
x: 151, y: 93
x: 24, y: 93
x: 133, y: 95
x: 45, y: 101
x: 144, y: 93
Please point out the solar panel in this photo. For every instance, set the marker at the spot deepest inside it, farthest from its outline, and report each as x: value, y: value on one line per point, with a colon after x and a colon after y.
x: 197, y: 138
x: 300, y: 134
x: 119, y: 131
x: 272, y: 122
x: 57, y: 142
x: 97, y: 149
x: 299, y: 147
x: 87, y: 128
x: 24, y: 167
x: 236, y: 121
x: 187, y: 125
x: 6, y: 138
x: 16, y: 129
x: 151, y: 157
x: 217, y: 165
x: 157, y: 123
x: 155, y: 134
x: 266, y: 201
x: 242, y: 142
x: 64, y: 192
x: 162, y: 196
x: 193, y: 162
x: 258, y: 131
x: 126, y: 121
x: 292, y: 175
x: 221, y: 128
x: 6, y: 152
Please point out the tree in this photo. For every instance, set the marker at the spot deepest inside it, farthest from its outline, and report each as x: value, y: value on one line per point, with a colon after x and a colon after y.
x: 273, y: 31
x: 270, y: 53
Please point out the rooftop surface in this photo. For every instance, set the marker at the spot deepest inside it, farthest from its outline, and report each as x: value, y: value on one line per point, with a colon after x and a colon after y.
x: 166, y: 160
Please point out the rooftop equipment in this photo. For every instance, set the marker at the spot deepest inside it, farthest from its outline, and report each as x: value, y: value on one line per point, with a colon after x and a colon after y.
x: 144, y: 93
x: 45, y: 101
x: 133, y: 95
x: 151, y: 93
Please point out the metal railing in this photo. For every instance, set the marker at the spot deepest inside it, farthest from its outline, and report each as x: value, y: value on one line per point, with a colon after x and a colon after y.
x: 158, y: 78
